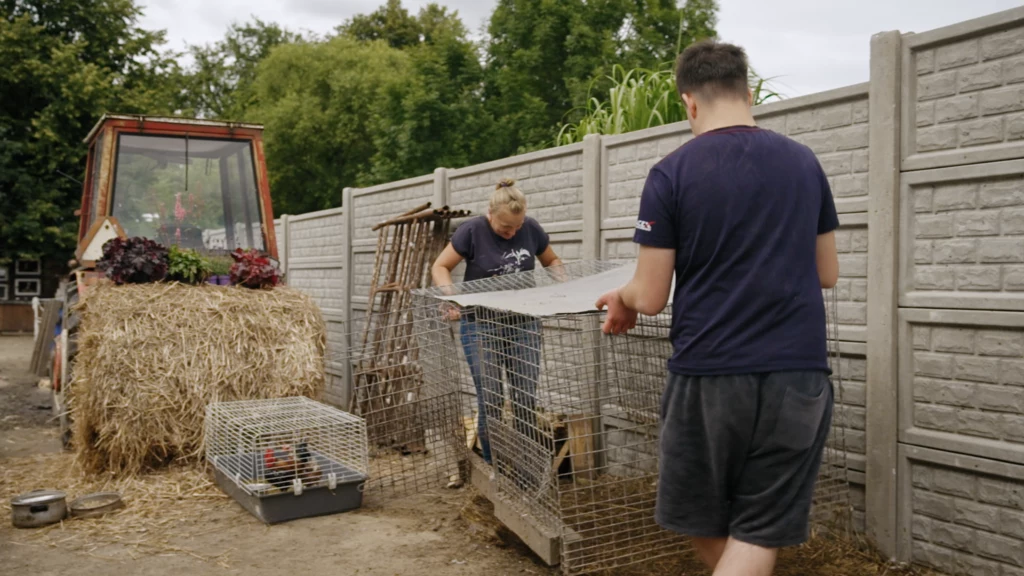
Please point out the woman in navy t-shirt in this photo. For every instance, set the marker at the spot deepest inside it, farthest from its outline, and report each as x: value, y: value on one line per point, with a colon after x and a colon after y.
x: 505, y: 241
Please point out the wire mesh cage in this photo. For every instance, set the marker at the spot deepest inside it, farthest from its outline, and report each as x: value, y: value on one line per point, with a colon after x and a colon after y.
x: 831, y: 511
x: 401, y: 385
x: 571, y: 416
x: 262, y: 450
x: 407, y: 391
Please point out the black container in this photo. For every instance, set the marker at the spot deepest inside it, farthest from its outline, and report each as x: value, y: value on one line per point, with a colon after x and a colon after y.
x: 314, y: 501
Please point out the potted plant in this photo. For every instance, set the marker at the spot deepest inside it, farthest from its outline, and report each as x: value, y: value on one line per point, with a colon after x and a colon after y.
x: 133, y: 260
x: 187, y: 266
x: 254, y: 269
x: 220, y: 271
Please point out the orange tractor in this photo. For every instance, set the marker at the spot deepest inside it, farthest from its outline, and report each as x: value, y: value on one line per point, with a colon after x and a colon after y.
x: 196, y: 184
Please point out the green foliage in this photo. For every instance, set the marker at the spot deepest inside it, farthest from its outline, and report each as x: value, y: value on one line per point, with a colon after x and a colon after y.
x: 637, y: 99
x: 220, y: 265
x: 543, y: 55
x: 63, y: 64
x: 187, y: 266
x: 220, y: 77
x: 320, y: 104
x: 394, y: 94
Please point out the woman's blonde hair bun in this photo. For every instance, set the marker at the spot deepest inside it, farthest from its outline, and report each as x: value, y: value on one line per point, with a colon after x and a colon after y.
x: 507, y: 197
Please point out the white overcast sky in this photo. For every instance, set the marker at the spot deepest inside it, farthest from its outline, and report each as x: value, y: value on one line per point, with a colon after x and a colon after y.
x: 807, y: 45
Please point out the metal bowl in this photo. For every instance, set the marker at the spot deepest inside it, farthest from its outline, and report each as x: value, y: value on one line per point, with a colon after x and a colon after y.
x: 98, y: 504
x: 38, y: 508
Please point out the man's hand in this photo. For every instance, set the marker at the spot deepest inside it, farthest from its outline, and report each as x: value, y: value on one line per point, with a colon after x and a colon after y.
x: 620, y: 318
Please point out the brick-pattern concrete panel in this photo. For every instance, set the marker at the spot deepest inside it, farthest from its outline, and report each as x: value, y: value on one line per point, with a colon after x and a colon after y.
x: 836, y: 130
x: 362, y: 273
x: 325, y: 285
x: 626, y: 165
x: 968, y: 382
x: 851, y: 291
x: 838, y: 134
x: 386, y: 202
x: 966, y: 94
x: 318, y: 237
x: 965, y: 238
x: 552, y: 183
x: 966, y: 523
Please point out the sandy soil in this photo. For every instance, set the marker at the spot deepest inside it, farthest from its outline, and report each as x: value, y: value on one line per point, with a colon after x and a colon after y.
x: 443, y: 532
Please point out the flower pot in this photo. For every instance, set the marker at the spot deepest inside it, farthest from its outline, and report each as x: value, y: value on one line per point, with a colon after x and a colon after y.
x: 213, y: 280
x: 224, y: 280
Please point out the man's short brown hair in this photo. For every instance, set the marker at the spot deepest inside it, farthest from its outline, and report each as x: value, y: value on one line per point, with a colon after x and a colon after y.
x: 712, y: 70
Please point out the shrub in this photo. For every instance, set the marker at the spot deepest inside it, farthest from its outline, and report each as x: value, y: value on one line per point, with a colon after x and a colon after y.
x: 187, y: 266
x: 253, y: 269
x: 133, y: 260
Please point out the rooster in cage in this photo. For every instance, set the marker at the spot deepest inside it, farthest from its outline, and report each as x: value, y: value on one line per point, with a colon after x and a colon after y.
x: 283, y: 464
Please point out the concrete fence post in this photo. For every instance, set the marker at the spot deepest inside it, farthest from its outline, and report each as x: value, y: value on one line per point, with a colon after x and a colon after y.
x: 883, y: 294
x: 285, y: 244
x: 591, y: 197
x: 440, y: 196
x: 347, y: 216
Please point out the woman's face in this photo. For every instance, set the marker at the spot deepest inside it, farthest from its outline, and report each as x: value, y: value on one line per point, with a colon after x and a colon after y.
x: 506, y: 224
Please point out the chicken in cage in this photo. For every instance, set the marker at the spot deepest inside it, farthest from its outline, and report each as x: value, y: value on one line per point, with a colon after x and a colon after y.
x: 287, y: 458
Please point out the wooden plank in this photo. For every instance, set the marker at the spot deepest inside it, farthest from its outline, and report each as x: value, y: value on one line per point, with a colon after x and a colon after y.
x: 544, y: 544
x: 481, y: 477
x: 581, y: 440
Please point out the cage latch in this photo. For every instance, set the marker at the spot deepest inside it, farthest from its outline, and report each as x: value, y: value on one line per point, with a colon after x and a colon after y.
x: 297, y: 486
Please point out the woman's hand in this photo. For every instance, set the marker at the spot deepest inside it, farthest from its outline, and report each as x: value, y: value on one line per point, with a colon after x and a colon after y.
x: 451, y: 311
x: 621, y: 318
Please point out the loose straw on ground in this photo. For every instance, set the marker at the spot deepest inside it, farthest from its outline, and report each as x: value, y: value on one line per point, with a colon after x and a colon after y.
x: 164, y: 509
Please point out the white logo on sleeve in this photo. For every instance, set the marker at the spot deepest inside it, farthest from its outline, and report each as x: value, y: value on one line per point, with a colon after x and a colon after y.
x: 644, y: 225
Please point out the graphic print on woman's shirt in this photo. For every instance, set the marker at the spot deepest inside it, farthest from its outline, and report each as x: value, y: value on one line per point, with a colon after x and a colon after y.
x: 515, y: 259
x: 488, y: 254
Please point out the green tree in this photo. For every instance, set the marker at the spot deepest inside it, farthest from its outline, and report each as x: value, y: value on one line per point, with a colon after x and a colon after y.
x: 543, y: 55
x: 221, y: 73
x: 438, y: 119
x: 320, y: 103
x: 62, y: 65
x: 391, y: 23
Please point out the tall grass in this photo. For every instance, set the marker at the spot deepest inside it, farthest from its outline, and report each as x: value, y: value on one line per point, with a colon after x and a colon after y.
x: 637, y: 99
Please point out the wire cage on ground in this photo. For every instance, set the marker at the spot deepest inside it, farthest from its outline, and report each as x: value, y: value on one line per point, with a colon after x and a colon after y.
x: 407, y: 388
x: 400, y: 385
x: 572, y: 415
x: 287, y: 458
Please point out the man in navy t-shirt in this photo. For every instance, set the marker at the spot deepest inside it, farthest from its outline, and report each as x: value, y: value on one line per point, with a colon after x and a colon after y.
x: 744, y: 218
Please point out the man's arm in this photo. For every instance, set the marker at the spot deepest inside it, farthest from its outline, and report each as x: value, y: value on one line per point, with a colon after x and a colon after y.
x: 648, y: 291
x: 828, y: 260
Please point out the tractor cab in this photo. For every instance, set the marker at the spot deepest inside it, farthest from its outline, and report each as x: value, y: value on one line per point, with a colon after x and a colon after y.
x: 196, y: 184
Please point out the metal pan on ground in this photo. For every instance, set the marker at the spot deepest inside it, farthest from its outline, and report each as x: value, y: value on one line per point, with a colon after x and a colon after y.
x: 98, y: 504
x: 38, y: 508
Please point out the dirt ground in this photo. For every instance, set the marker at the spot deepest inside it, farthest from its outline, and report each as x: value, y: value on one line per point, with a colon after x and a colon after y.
x: 179, y: 523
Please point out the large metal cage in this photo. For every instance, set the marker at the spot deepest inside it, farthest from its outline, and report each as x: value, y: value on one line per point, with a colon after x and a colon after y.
x: 572, y: 415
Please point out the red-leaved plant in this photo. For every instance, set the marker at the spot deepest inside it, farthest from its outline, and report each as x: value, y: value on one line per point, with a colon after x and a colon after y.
x: 133, y: 260
x: 253, y: 269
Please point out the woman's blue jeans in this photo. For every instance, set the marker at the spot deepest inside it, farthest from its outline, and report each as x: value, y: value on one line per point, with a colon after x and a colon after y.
x: 512, y: 348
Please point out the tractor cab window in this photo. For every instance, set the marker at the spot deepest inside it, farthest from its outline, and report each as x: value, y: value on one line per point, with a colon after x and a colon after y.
x: 197, y: 193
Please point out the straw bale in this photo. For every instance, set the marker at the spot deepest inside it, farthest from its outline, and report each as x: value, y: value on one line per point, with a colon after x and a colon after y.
x: 152, y: 356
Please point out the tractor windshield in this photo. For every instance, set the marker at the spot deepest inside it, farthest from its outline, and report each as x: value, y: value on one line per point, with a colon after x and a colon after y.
x: 197, y: 193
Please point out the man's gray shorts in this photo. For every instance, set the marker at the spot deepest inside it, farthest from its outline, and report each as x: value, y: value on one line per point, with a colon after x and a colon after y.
x: 740, y: 455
